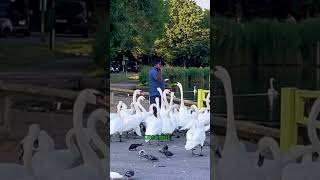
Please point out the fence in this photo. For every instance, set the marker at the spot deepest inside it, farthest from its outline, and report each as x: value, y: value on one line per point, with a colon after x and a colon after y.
x: 8, y: 90
x: 128, y: 91
x: 201, y: 97
x: 293, y: 110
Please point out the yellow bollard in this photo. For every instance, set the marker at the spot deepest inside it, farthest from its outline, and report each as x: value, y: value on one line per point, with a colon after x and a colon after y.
x: 288, y: 126
x: 200, y: 98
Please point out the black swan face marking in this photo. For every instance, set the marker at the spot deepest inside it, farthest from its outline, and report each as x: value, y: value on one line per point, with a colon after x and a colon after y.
x: 21, y: 153
x: 218, y: 153
x: 36, y: 144
x: 260, y: 160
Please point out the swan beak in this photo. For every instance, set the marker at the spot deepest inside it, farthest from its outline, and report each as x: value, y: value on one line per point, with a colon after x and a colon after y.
x: 21, y: 153
x: 36, y: 144
x: 102, y: 100
x: 261, y: 160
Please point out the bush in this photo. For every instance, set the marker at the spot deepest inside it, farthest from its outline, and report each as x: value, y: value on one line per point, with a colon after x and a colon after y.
x: 101, y: 44
x: 265, y: 41
x: 197, y: 76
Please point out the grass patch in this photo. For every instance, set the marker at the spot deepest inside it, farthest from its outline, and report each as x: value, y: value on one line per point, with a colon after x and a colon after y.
x: 118, y: 77
x: 76, y: 48
x: 96, y: 71
x: 13, y: 55
x: 133, y: 76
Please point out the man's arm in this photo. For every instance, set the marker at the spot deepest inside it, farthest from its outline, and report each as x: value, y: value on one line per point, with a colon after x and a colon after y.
x: 156, y: 75
x: 159, y: 77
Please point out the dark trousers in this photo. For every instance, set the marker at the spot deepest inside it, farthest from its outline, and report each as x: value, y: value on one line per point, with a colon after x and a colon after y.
x: 153, y: 101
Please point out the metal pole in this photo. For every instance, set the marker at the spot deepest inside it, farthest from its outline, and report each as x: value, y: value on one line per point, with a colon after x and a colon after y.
x: 43, y: 7
x: 52, y: 32
x: 318, y: 63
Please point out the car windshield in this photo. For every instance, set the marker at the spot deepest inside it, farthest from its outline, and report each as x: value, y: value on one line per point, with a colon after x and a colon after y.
x: 3, y: 10
x: 69, y: 8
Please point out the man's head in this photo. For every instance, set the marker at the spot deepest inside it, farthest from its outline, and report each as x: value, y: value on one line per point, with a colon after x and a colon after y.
x: 158, y: 64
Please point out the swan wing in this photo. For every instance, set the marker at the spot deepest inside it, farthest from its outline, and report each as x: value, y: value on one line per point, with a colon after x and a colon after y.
x: 115, y: 175
x: 138, y: 130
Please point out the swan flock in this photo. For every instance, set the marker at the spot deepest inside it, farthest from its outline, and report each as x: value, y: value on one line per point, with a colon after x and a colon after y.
x: 42, y: 161
x: 259, y: 165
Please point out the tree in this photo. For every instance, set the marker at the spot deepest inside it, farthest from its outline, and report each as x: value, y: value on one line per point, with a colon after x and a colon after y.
x: 136, y: 24
x: 186, y: 33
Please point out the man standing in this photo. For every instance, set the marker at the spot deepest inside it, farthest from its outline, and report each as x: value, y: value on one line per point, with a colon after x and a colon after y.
x: 155, y: 81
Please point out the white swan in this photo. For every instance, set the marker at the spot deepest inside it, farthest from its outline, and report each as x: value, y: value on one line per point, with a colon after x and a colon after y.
x: 153, y: 124
x: 164, y: 95
x: 114, y: 115
x: 272, y: 94
x: 115, y: 175
x: 162, y: 102
x: 196, y: 135
x: 16, y: 171
x: 173, y: 115
x: 132, y: 122
x: 134, y: 100
x: 97, y: 115
x: 184, y: 116
x: 117, y: 124
x: 144, y: 114
x: 168, y: 125
x: 207, y: 128
x: 49, y: 160
x: 91, y: 169
x: 312, y: 131
x: 234, y: 155
x: 203, y: 118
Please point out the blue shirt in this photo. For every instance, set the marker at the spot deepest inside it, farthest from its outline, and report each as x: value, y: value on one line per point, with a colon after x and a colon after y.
x: 154, y: 83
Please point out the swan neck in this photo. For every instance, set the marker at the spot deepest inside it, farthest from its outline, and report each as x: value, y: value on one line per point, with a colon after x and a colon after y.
x: 181, y: 96
x: 92, y: 121
x: 231, y: 128
x: 27, y: 157
x: 271, y: 83
x: 141, y: 107
x: 312, y: 132
x: 134, y: 98
x: 87, y: 153
x: 161, y: 98
x: 171, y: 100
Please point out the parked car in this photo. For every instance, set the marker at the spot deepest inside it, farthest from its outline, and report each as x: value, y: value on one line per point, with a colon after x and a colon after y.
x: 132, y: 66
x: 114, y: 68
x: 16, y: 12
x: 72, y: 17
x: 5, y: 27
x: 5, y: 22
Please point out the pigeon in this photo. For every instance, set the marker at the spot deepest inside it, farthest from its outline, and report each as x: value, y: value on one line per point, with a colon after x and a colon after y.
x: 143, y: 153
x: 134, y: 146
x: 166, y: 153
x: 129, y: 174
x: 165, y: 148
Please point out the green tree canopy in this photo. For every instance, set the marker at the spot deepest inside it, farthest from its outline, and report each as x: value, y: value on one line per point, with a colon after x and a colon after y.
x: 186, y: 32
x: 136, y: 24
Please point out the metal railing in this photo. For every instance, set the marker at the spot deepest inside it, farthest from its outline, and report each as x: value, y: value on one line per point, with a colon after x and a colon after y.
x: 201, y: 97
x: 293, y: 103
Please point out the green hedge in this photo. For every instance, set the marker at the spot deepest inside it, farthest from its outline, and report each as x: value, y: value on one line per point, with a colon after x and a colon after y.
x: 193, y: 75
x: 266, y: 41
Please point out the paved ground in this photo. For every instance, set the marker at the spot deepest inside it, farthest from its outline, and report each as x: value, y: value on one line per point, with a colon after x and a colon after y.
x: 129, y: 84
x: 183, y: 165
x: 56, y: 124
